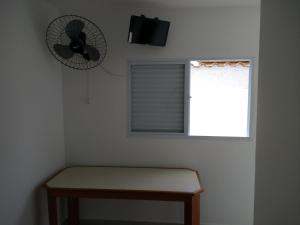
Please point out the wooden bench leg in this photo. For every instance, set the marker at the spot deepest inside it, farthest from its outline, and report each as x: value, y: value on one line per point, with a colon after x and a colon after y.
x: 192, y: 210
x: 73, y: 211
x: 52, y: 210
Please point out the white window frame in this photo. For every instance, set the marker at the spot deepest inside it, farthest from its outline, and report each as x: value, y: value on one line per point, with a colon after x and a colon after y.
x: 186, y: 63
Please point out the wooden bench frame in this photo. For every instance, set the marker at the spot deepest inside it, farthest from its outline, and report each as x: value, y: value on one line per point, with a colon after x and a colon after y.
x: 191, y: 200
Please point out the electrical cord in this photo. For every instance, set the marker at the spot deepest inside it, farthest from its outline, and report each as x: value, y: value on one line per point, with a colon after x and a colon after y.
x: 110, y: 73
x: 88, y: 88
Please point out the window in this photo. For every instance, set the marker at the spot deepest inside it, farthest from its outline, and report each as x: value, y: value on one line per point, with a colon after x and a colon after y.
x: 157, y: 98
x: 193, y: 98
x: 219, y: 98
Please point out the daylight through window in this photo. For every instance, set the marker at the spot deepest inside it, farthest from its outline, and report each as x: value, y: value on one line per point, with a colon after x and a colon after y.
x: 219, y: 98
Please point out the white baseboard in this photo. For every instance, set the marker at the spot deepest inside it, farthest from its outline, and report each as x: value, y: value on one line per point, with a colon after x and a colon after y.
x: 118, y: 222
x: 212, y: 224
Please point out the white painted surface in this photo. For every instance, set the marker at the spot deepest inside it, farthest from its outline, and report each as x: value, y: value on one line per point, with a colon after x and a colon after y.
x: 96, y: 134
x: 198, y: 3
x: 31, y: 115
x: 173, y: 4
x: 125, y: 178
x: 277, y: 193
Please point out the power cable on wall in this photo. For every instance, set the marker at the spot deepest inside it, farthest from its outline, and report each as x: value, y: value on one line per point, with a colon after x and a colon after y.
x: 110, y: 73
x: 88, y: 81
x: 88, y: 94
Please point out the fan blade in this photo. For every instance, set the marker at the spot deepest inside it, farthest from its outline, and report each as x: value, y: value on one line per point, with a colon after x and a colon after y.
x: 74, y: 28
x: 92, y: 53
x: 63, y: 51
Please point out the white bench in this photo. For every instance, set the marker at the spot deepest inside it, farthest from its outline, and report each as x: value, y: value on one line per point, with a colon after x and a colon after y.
x: 164, y: 184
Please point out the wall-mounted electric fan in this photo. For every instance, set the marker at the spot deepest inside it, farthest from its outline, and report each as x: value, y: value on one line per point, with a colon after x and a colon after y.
x: 76, y: 42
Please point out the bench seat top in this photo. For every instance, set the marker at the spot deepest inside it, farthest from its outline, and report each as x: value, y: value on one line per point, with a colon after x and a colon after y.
x: 127, y: 178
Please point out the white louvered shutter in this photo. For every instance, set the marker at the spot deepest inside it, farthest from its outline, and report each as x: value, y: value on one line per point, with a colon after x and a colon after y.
x: 157, y: 98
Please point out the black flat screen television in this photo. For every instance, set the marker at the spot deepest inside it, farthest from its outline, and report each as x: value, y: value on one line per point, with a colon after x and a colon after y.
x: 149, y: 31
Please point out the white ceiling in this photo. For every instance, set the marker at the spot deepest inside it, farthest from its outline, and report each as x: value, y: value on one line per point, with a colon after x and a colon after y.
x: 198, y: 3
x: 163, y: 3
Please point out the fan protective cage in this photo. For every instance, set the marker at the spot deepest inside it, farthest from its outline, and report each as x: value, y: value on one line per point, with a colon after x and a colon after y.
x: 94, y: 37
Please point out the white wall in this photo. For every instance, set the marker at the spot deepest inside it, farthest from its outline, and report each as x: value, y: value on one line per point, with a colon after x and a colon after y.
x: 31, y: 114
x: 277, y: 192
x: 96, y: 133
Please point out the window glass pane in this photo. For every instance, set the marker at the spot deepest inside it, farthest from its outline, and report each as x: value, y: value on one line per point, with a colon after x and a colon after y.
x: 157, y: 98
x: 219, y: 102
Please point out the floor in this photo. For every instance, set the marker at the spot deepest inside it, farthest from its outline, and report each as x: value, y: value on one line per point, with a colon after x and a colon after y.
x: 113, y: 222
